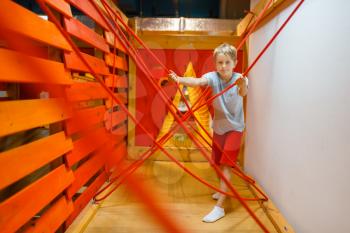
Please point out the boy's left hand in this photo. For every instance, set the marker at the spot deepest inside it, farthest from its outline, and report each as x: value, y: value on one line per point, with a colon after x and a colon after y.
x: 242, y: 81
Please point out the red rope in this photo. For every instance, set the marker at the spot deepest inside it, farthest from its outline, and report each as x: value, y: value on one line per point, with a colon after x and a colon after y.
x: 130, y: 31
x: 251, y: 30
x: 133, y: 119
x: 250, y: 68
x: 190, y: 110
x: 99, y: 79
x: 211, y: 99
x: 194, y: 140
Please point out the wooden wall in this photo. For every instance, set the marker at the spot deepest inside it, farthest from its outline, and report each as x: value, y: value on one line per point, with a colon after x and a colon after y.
x: 60, y: 133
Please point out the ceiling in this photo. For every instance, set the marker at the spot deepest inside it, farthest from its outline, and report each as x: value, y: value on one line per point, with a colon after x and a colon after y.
x: 227, y: 9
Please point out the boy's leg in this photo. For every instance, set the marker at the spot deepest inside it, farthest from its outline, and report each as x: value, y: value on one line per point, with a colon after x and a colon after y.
x: 217, y: 147
x: 226, y: 170
x: 218, y: 210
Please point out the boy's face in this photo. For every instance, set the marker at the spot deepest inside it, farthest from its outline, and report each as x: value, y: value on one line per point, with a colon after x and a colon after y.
x: 224, y: 65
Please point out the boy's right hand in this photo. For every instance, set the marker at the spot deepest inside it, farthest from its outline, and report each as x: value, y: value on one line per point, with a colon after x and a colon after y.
x: 173, y: 76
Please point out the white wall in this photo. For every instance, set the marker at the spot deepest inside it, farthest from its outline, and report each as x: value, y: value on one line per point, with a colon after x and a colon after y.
x: 298, y: 116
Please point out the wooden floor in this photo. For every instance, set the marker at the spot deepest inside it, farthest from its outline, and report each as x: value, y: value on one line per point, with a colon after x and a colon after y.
x: 185, y: 199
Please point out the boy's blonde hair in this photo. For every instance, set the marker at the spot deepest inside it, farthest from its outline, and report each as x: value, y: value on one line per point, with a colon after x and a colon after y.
x: 226, y: 49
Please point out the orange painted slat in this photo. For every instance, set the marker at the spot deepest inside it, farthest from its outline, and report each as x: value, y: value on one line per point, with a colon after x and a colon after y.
x: 84, y: 33
x: 53, y: 218
x: 22, y: 206
x: 85, y: 118
x: 121, y: 131
x: 21, y: 115
x: 61, y: 6
x: 119, y: 81
x: 121, y: 96
x: 117, y: 155
x: 80, y: 91
x: 73, y: 62
x: 114, y: 119
x: 85, y: 172
x: 86, y: 196
x: 110, y: 40
x: 87, y: 144
x: 23, y: 160
x: 18, y: 67
x: 89, y: 10
x: 24, y: 22
x: 119, y: 62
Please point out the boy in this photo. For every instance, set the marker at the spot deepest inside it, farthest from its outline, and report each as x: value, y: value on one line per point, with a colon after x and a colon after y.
x: 228, y: 122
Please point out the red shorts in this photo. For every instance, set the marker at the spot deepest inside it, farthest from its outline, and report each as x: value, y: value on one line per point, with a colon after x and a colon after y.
x: 229, y: 143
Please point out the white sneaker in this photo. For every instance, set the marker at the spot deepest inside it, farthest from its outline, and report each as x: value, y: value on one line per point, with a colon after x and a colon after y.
x: 216, y: 196
x: 214, y: 215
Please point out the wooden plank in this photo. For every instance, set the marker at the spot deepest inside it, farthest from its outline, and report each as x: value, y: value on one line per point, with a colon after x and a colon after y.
x: 274, y: 8
x: 18, y: 67
x: 121, y: 96
x: 86, y: 196
x: 24, y: 22
x: 21, y: 207
x: 87, y: 8
x: 84, y: 33
x: 117, y: 10
x: 81, y: 91
x: 60, y: 6
x: 84, y: 173
x: 86, y: 144
x: 117, y: 155
x: 121, y: 131
x: 117, y: 61
x: 132, y: 103
x: 53, y: 218
x: 83, y: 219
x: 21, y: 115
x: 73, y: 62
x: 190, y: 42
x: 119, y: 81
x: 271, y: 211
x: 110, y: 40
x: 84, y: 119
x: 114, y: 119
x: 23, y: 160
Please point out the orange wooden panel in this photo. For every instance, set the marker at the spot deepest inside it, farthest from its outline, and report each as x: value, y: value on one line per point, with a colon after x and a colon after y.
x: 18, y: 67
x: 110, y: 40
x: 86, y: 196
x: 87, y: 144
x: 61, y: 6
x: 121, y: 96
x: 21, y: 115
x: 73, y: 62
x: 23, y: 160
x: 117, y: 155
x: 22, y: 206
x: 52, y: 218
x: 115, y: 9
x: 80, y: 91
x: 84, y: 119
x: 89, y: 10
x: 121, y: 131
x: 84, y: 173
x: 117, y: 61
x: 24, y: 22
x: 114, y: 119
x: 84, y: 33
x: 119, y: 81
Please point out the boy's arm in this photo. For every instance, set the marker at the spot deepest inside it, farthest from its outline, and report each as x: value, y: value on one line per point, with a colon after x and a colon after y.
x: 188, y: 81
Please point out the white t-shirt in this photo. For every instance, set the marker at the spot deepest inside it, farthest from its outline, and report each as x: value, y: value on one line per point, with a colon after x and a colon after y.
x: 228, y: 108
